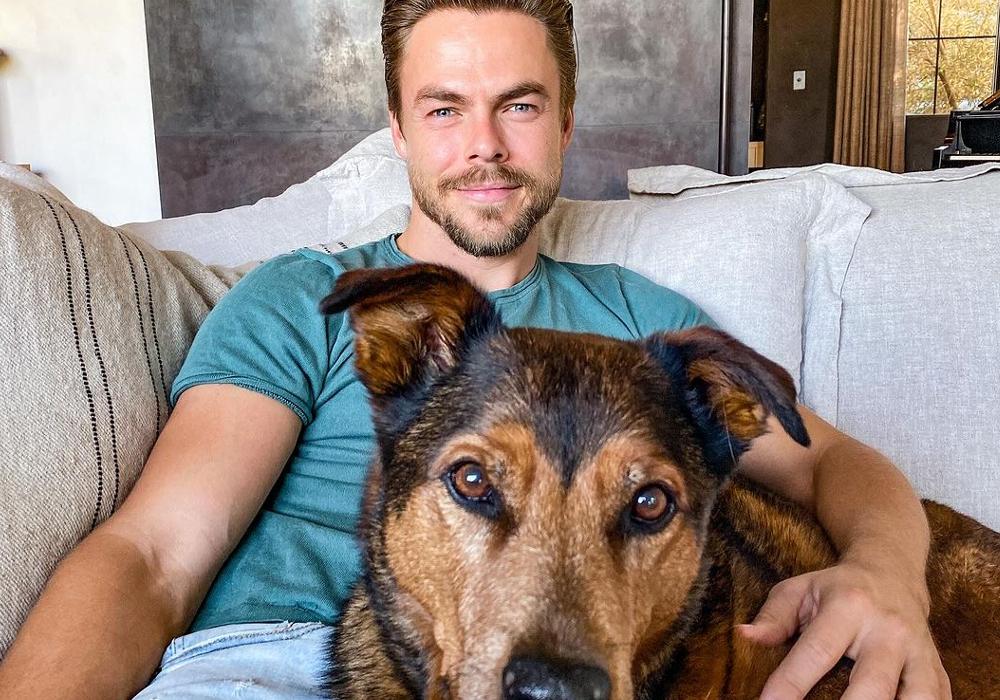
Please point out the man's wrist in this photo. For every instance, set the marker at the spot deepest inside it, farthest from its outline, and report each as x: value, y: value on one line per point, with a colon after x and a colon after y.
x: 903, y: 566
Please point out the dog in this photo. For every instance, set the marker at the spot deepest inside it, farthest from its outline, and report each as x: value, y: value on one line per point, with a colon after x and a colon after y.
x: 555, y: 515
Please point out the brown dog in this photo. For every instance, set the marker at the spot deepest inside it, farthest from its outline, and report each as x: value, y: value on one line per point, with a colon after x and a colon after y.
x: 552, y: 515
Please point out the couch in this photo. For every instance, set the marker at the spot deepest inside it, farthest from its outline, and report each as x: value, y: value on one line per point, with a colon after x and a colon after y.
x: 880, y: 294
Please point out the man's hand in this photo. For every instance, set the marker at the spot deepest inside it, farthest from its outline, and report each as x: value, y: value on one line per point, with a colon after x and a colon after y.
x: 856, y: 611
x: 873, y: 605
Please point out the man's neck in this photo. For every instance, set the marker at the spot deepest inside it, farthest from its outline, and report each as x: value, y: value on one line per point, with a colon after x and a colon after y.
x: 425, y: 241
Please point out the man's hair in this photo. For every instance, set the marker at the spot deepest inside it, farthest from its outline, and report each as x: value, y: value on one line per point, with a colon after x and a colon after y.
x: 400, y: 16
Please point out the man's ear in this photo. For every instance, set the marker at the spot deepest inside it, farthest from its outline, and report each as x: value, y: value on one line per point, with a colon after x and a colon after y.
x: 729, y: 390
x: 398, y: 140
x: 569, y: 123
x: 412, y: 324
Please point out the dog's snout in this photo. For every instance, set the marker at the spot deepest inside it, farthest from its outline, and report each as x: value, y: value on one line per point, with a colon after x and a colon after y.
x: 535, y: 678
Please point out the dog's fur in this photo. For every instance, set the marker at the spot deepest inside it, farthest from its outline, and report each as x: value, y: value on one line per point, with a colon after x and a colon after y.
x: 568, y: 428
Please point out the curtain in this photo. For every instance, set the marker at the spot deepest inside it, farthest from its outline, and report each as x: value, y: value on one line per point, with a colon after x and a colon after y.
x: 870, y: 126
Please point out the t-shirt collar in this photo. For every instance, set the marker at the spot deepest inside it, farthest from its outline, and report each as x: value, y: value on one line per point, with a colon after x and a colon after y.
x: 393, y: 252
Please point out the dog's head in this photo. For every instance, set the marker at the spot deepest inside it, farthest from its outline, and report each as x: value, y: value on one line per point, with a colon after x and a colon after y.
x: 536, y: 520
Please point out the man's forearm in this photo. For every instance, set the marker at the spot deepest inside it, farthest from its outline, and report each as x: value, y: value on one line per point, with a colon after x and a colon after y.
x: 869, y: 509
x: 98, y: 630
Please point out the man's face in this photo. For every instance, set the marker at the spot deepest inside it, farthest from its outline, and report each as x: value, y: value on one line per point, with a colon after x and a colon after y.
x: 481, y: 127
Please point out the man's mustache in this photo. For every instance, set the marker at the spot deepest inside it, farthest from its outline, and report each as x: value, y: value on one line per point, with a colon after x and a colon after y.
x: 504, y: 175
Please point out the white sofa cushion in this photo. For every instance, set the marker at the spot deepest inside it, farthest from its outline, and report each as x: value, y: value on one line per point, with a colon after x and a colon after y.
x: 95, y: 325
x: 739, y: 255
x: 233, y: 236
x: 919, y: 357
x: 362, y: 184
x: 688, y: 180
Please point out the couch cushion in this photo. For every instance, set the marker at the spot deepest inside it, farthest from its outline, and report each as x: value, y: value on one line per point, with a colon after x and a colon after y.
x: 688, y: 180
x: 363, y: 183
x: 739, y: 255
x: 918, y: 365
x: 95, y: 324
x: 233, y: 236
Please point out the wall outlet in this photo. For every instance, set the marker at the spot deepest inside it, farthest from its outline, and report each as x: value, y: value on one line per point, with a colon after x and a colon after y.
x: 799, y: 80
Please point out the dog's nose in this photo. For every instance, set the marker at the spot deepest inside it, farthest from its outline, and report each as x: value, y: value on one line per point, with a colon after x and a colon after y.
x: 534, y: 678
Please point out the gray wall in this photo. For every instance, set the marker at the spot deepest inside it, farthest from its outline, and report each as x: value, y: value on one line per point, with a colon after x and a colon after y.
x: 251, y: 96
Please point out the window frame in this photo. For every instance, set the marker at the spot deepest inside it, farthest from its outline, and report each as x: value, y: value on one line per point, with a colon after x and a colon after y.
x: 937, y: 54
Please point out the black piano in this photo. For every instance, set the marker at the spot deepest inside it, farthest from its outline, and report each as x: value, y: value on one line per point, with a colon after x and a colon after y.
x: 973, y: 136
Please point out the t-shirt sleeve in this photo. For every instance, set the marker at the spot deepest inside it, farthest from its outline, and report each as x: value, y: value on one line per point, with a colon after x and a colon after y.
x: 656, y: 308
x: 268, y: 335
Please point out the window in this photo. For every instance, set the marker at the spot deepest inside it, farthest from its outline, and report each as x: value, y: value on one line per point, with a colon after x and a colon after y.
x: 952, y: 54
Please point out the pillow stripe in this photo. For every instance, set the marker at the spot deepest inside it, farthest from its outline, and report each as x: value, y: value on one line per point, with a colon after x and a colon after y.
x: 142, y: 328
x: 152, y: 319
x: 88, y: 296
x: 99, y: 458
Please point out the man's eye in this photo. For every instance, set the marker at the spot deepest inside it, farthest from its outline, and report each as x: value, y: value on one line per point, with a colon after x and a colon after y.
x: 443, y: 112
x: 522, y: 107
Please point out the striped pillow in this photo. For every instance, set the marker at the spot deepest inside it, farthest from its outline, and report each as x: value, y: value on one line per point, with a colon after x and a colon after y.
x: 94, y: 326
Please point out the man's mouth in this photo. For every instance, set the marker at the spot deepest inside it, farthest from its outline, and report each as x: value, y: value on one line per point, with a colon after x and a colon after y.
x: 489, y: 192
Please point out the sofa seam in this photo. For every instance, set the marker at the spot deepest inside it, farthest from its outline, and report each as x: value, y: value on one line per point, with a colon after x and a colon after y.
x: 840, y: 319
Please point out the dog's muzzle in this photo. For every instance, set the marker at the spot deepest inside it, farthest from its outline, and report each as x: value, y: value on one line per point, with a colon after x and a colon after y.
x: 534, y: 678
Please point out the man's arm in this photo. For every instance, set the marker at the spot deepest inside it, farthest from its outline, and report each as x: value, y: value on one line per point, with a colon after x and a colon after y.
x: 873, y: 605
x: 109, y: 610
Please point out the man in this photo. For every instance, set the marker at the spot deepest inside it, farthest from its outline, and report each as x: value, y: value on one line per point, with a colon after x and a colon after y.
x: 268, y: 413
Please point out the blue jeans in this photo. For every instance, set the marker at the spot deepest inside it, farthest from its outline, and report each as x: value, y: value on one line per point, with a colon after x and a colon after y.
x: 256, y: 661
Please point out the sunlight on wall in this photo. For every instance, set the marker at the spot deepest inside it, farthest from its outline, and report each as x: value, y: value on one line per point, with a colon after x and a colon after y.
x: 75, y: 102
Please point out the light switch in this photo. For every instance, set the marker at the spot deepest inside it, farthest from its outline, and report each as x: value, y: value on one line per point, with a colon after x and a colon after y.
x: 799, y: 80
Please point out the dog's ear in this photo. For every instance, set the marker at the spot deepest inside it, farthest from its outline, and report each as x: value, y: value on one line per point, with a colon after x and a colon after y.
x: 411, y: 323
x: 729, y: 390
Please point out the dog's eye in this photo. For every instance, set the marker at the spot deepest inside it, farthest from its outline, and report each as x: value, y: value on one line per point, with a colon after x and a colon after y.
x: 470, y: 487
x: 652, y: 508
x: 470, y: 481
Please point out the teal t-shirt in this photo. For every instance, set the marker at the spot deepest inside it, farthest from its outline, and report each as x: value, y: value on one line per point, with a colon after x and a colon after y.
x: 299, y: 559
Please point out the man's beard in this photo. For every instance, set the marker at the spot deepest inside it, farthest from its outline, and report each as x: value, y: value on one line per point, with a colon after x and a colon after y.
x: 541, y: 194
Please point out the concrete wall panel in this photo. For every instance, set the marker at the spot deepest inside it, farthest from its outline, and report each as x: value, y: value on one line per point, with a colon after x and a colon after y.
x: 251, y: 96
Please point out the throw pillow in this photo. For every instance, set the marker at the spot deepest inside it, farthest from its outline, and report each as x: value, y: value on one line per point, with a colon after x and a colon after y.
x: 95, y: 325
x: 901, y: 324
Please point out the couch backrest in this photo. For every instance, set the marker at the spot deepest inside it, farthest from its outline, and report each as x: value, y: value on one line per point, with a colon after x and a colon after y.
x: 830, y: 305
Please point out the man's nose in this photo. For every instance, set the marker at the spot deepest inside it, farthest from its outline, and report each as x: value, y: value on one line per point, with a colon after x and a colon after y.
x: 534, y: 678
x: 486, y: 143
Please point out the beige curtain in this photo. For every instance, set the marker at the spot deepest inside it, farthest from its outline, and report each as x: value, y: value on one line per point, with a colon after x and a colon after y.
x: 871, y: 85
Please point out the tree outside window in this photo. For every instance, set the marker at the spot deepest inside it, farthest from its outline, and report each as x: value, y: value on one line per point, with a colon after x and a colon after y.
x: 952, y: 54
